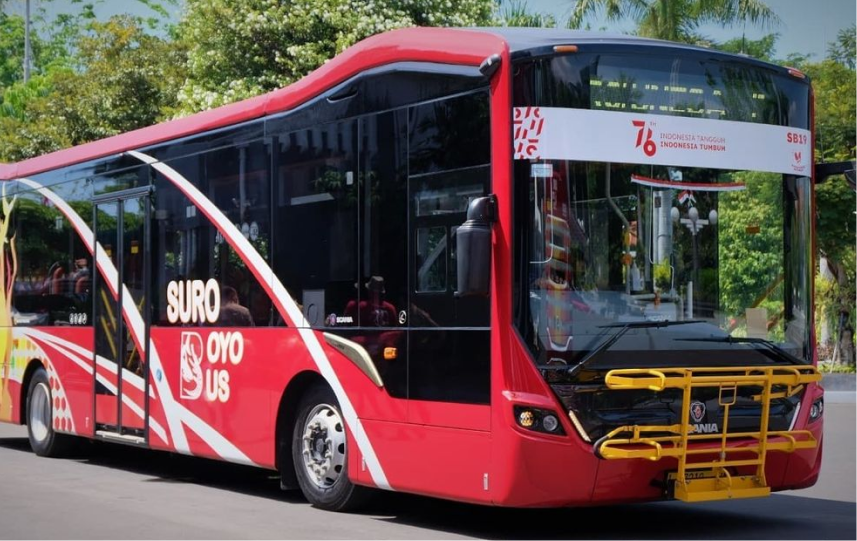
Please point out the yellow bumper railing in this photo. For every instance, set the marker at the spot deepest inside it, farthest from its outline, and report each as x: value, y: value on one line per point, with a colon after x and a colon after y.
x: 704, y: 480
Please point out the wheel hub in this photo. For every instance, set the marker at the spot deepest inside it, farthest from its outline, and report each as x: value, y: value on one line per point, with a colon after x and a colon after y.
x: 323, y: 445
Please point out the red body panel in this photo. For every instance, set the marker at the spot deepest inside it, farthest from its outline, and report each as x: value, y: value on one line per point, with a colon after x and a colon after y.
x: 431, y: 460
x: 472, y: 453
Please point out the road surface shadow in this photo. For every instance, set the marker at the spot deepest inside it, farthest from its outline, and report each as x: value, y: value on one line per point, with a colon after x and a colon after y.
x: 777, y: 517
x: 16, y: 444
x: 163, y: 467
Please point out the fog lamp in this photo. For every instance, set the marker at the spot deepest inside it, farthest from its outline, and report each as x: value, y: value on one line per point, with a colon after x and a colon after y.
x: 550, y: 423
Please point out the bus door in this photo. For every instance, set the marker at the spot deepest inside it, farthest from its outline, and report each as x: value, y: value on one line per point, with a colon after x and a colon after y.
x: 121, y: 223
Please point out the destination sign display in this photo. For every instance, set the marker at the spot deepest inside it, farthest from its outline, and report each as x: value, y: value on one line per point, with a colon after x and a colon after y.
x: 688, y: 87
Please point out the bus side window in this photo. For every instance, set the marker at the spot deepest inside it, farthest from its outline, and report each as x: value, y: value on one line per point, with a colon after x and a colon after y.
x: 188, y: 246
x: 449, y: 165
x: 383, y: 213
x: 315, y: 216
x: 53, y: 283
x: 239, y: 184
x: 383, y: 283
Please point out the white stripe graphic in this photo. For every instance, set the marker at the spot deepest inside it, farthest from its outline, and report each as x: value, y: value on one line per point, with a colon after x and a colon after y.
x: 127, y: 376
x: 175, y: 413
x: 39, y: 352
x: 109, y: 272
x: 57, y: 343
x: 285, y: 304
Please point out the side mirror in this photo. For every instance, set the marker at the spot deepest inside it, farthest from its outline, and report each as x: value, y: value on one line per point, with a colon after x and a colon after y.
x: 849, y: 169
x: 473, y: 248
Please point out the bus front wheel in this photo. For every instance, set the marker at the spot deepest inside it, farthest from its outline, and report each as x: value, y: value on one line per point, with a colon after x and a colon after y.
x: 43, y: 439
x: 319, y: 453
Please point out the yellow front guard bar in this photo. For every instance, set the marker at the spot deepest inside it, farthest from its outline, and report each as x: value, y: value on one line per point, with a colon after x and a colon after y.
x: 707, y: 480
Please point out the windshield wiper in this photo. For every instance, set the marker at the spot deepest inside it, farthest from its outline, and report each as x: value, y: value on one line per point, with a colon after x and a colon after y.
x: 650, y: 324
x: 623, y: 328
x: 778, y: 352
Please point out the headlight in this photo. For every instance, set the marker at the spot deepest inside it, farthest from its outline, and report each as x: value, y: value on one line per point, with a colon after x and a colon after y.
x: 538, y: 420
x: 816, y: 410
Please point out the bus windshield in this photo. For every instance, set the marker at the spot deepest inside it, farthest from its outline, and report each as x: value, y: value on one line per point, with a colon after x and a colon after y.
x: 662, y: 212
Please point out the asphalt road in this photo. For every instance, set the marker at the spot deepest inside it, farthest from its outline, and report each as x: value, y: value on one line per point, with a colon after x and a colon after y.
x: 126, y: 493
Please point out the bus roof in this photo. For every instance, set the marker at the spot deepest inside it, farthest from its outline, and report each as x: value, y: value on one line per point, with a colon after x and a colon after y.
x: 463, y: 46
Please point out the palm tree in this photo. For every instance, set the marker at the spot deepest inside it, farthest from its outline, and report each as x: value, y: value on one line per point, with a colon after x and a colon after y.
x: 517, y: 13
x: 676, y: 20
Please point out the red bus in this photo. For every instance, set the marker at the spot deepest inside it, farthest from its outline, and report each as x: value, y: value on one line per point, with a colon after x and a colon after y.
x: 513, y: 267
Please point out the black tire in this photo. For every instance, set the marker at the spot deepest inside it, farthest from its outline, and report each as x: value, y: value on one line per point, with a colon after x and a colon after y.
x: 331, y: 490
x: 43, y: 440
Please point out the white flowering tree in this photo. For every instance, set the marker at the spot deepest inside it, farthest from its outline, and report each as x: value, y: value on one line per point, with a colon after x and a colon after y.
x: 241, y: 48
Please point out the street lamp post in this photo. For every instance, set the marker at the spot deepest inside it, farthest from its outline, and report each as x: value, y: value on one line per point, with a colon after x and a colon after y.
x: 694, y: 224
x: 27, y: 41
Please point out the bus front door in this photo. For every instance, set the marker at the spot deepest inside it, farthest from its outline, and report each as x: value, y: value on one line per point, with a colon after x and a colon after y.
x: 121, y: 223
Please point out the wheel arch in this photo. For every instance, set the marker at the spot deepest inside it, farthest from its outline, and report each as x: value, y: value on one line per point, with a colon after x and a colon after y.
x: 31, y: 369
x: 286, y: 417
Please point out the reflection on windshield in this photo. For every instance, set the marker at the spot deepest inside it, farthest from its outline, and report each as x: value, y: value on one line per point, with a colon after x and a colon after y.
x: 612, y: 244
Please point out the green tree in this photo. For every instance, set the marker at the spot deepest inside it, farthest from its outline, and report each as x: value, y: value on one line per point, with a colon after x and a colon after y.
x: 675, y: 20
x: 11, y: 48
x: 763, y: 49
x: 52, y: 40
x: 241, y: 48
x: 517, y: 13
x: 127, y: 79
x: 750, y: 263
x: 835, y: 86
x: 844, y: 49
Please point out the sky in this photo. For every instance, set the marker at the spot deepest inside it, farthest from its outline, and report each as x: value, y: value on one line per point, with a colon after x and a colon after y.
x: 807, y: 25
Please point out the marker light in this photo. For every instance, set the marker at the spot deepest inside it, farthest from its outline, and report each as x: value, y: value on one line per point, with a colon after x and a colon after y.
x: 578, y: 426
x: 565, y: 49
x: 390, y: 353
x: 796, y: 73
x: 538, y: 420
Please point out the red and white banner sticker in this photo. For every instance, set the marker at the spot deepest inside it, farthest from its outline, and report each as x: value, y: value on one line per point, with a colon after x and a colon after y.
x: 551, y: 133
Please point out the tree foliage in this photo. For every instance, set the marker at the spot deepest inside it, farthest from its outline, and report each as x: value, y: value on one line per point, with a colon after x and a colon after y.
x: 516, y: 13
x: 241, y: 48
x: 763, y: 48
x: 127, y: 79
x: 676, y: 20
x: 836, y: 136
x: 835, y: 85
x: 11, y: 48
x: 93, y: 79
x: 844, y: 48
x: 750, y: 262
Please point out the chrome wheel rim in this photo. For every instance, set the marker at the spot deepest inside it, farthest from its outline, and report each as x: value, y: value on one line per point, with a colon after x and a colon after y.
x: 40, y: 412
x: 323, y: 446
